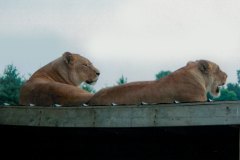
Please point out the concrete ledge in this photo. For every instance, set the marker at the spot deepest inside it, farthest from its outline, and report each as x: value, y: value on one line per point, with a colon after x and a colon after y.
x: 159, y: 115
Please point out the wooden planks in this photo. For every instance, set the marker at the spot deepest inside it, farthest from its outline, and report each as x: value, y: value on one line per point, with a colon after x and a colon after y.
x: 183, y: 114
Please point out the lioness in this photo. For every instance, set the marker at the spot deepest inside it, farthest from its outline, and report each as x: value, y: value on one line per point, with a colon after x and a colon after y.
x: 188, y: 84
x: 58, y: 81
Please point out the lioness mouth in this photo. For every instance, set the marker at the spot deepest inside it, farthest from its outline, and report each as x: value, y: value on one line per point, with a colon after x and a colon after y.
x: 89, y: 82
x: 219, y: 88
x: 92, y: 82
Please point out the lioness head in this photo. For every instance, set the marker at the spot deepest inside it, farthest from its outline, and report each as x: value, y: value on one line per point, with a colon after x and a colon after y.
x: 80, y: 69
x: 213, y: 75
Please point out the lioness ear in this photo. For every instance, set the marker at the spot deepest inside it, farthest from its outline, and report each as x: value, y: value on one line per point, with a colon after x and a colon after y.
x: 67, y: 56
x: 203, y: 66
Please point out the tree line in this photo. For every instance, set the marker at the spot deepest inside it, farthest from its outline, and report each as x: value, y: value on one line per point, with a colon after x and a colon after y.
x: 11, y: 82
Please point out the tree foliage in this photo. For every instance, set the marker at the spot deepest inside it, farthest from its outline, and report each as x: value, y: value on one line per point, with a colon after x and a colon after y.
x: 234, y: 87
x: 87, y: 87
x: 162, y: 74
x: 122, y: 80
x: 10, y: 84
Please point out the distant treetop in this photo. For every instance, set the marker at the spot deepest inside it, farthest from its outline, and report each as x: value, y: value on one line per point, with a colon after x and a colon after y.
x: 162, y: 74
x: 122, y: 80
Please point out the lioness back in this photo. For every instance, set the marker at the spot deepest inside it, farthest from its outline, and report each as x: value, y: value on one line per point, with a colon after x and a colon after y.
x: 58, y: 82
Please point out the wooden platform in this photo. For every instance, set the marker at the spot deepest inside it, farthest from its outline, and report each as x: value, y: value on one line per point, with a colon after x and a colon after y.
x: 160, y: 115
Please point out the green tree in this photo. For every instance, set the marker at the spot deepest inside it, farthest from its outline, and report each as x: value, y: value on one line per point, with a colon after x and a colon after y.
x: 122, y: 80
x: 87, y: 87
x: 162, y: 74
x: 10, y: 84
x: 235, y: 88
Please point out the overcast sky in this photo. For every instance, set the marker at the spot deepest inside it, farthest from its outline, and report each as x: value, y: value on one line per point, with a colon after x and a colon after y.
x: 134, y: 38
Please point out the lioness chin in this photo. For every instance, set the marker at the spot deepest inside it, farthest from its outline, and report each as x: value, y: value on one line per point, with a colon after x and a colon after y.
x: 58, y: 81
x: 187, y: 84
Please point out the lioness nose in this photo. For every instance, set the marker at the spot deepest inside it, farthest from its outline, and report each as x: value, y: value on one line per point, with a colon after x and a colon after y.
x: 98, y: 73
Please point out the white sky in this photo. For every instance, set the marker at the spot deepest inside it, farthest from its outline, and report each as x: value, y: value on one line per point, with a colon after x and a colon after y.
x: 134, y: 38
